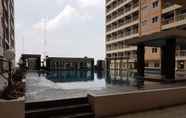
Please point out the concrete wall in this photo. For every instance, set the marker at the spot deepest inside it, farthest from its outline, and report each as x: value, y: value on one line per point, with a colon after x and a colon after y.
x: 11, y: 109
x: 149, y: 56
x: 110, y: 105
x: 147, y: 14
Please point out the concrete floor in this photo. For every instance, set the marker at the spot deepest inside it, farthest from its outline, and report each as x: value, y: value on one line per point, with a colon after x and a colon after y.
x: 171, y: 112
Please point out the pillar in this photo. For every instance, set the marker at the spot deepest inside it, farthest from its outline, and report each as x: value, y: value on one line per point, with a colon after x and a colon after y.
x: 108, y: 61
x: 140, y: 60
x: 168, y: 59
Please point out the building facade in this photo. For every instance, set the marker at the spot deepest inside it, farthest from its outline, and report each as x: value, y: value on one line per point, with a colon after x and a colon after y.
x: 100, y: 66
x: 129, y: 19
x: 7, y: 37
x: 66, y: 63
x: 31, y: 61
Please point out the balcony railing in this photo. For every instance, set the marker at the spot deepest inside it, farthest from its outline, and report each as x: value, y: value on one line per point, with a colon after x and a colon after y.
x: 168, y: 21
x: 181, y: 53
x: 115, y: 4
x: 135, y: 18
x: 181, y: 17
x: 178, y: 18
x: 119, y: 13
x: 168, y: 4
x: 125, y: 34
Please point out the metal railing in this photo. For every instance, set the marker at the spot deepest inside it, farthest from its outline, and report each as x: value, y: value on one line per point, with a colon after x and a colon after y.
x: 181, y: 53
x: 179, y: 17
x: 124, y: 11
x: 168, y: 21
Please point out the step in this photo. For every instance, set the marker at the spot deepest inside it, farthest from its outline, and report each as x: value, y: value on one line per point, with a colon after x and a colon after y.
x: 52, y: 103
x: 63, y: 110
x: 82, y: 115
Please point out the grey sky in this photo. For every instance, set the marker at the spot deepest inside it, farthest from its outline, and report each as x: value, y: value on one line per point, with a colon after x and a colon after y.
x: 74, y: 27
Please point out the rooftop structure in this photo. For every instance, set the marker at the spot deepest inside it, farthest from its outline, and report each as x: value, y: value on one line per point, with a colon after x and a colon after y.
x: 32, y: 61
x: 69, y: 63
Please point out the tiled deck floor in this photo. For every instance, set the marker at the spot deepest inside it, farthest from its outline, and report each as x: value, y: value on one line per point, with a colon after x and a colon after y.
x: 171, y: 112
x: 41, y: 89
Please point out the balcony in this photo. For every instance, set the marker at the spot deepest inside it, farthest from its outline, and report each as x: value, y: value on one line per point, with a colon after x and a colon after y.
x: 168, y: 3
x: 115, y: 5
x: 124, y: 36
x: 116, y: 15
x: 181, y: 55
x: 121, y: 25
x: 172, y: 22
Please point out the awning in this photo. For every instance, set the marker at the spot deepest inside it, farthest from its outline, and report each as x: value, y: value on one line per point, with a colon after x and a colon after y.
x: 159, y: 39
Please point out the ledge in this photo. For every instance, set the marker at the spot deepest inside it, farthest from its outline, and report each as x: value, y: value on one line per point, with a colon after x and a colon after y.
x: 136, y: 101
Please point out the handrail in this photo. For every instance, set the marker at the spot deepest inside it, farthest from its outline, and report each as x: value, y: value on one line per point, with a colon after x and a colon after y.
x: 181, y: 17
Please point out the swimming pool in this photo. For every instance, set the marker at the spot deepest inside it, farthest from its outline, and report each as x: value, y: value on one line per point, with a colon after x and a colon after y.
x: 65, y: 84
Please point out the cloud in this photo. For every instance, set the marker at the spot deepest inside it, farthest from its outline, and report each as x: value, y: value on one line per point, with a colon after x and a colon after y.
x: 64, y: 17
x: 75, y: 27
x: 90, y: 3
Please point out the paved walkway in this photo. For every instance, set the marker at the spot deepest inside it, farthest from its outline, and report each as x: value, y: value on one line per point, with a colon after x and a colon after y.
x: 171, y: 112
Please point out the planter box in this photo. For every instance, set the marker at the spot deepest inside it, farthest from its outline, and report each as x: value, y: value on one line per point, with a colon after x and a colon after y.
x: 12, y: 109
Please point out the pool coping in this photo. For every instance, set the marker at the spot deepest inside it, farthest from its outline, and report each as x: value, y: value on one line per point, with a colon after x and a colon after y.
x: 136, y: 101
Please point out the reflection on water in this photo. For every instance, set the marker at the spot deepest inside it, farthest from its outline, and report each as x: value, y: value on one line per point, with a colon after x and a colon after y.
x: 114, y: 77
x: 124, y: 78
x: 67, y: 84
x: 70, y: 76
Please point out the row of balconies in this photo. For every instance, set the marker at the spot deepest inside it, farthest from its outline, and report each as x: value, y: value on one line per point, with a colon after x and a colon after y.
x: 130, y: 55
x: 170, y: 20
x: 119, y: 45
x: 121, y: 12
x: 119, y: 48
x: 113, y: 5
x: 121, y: 23
x: 107, y: 1
x: 168, y: 3
x: 181, y: 53
x: 122, y: 33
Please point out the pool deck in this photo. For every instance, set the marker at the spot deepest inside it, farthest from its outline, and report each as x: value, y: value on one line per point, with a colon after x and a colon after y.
x: 50, y: 91
x: 170, y: 112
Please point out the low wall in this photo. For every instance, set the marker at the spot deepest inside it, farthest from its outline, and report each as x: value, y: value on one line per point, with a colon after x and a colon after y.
x: 12, y: 109
x: 110, y: 105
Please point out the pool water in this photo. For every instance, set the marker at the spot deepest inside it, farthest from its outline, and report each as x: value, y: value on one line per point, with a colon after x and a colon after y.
x: 65, y: 84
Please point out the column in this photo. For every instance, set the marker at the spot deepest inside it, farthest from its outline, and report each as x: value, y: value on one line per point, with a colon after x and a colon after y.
x: 168, y: 59
x: 140, y: 60
x: 108, y: 61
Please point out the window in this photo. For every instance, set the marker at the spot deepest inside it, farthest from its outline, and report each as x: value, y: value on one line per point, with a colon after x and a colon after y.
x: 155, y: 19
x: 154, y: 50
x: 156, y: 65
x: 155, y: 4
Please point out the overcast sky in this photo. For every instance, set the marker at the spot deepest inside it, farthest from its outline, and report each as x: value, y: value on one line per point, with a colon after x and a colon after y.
x: 75, y: 28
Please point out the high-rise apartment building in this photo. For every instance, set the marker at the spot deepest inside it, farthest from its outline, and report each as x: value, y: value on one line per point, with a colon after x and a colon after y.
x: 128, y: 19
x: 7, y: 38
